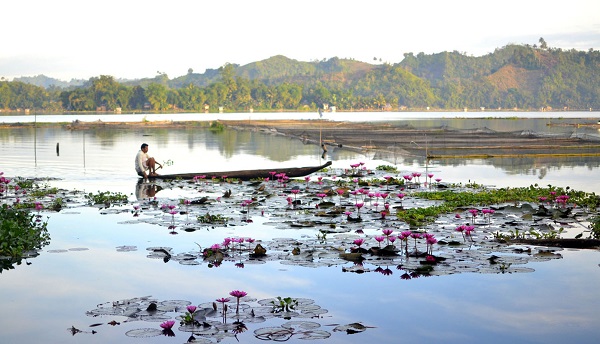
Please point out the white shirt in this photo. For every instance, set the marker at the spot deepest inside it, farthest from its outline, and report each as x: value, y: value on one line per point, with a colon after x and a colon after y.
x: 140, y: 162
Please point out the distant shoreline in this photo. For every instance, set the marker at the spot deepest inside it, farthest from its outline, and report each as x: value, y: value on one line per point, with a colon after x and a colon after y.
x: 415, y: 110
x: 406, y: 140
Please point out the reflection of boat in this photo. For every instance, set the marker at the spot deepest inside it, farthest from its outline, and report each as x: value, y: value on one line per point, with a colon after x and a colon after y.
x: 248, y: 174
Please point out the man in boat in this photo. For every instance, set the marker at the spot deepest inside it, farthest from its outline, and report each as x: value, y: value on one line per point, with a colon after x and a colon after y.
x: 145, y: 165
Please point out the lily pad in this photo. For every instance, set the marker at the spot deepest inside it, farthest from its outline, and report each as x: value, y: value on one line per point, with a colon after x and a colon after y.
x: 143, y: 333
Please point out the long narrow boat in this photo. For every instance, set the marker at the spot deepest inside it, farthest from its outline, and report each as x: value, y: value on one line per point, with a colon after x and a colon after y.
x: 291, y: 172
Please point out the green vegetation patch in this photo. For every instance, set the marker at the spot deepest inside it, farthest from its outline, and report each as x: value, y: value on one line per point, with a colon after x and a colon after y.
x: 106, y: 197
x: 21, y: 231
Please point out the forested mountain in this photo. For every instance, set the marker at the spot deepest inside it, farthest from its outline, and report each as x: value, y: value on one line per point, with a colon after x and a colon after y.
x: 519, y: 77
x: 47, y: 82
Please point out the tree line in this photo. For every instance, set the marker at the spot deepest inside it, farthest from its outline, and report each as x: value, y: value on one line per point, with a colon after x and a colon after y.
x: 512, y: 77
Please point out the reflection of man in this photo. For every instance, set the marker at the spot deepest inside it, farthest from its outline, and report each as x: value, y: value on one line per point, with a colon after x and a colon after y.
x: 143, y: 163
x: 145, y: 190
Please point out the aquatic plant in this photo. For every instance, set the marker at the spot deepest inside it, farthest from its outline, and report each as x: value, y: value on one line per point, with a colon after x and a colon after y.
x: 465, y: 231
x: 322, y: 236
x: 212, y: 218
x: 415, y: 236
x: 387, y: 233
x: 430, y: 240
x: 223, y: 302
x: 359, y: 242
x: 167, y: 325
x: 246, y: 204
x: 286, y: 304
x: 216, y: 126
x: 21, y: 231
x: 386, y: 168
x: 238, y: 294
x: 322, y: 196
x: 295, y: 192
x: 417, y: 217
x: 358, y: 206
x: 106, y: 197
x: 340, y: 192
x: 306, y: 180
x: 188, y: 317
x: 595, y: 227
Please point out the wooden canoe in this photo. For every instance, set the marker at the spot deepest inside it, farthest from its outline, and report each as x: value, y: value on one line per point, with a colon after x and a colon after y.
x: 291, y: 172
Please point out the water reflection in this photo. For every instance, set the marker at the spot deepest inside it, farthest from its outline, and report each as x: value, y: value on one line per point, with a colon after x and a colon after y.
x: 101, y: 158
x: 86, y: 265
x: 145, y: 189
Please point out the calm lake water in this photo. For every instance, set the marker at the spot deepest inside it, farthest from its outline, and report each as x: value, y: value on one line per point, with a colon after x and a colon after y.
x: 89, y: 156
x: 82, y: 267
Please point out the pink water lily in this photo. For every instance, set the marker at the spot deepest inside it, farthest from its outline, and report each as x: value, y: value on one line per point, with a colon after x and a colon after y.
x: 468, y: 231
x: 415, y: 236
x: 465, y: 230
x: 359, y: 242
x: 387, y: 233
x: 474, y: 213
x: 430, y: 241
x: 295, y: 192
x: 358, y: 206
x: 400, y: 196
x: 167, y: 325
x: 238, y: 294
x: 430, y: 175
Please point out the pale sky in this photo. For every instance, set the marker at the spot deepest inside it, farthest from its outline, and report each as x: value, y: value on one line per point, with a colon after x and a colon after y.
x: 134, y: 39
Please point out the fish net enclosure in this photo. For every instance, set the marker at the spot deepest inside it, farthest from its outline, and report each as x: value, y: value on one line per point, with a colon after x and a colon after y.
x: 437, y: 142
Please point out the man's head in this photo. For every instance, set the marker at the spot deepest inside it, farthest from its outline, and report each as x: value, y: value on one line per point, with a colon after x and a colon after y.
x: 144, y: 145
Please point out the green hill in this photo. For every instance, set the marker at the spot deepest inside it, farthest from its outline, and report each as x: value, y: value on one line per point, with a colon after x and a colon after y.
x: 519, y: 77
